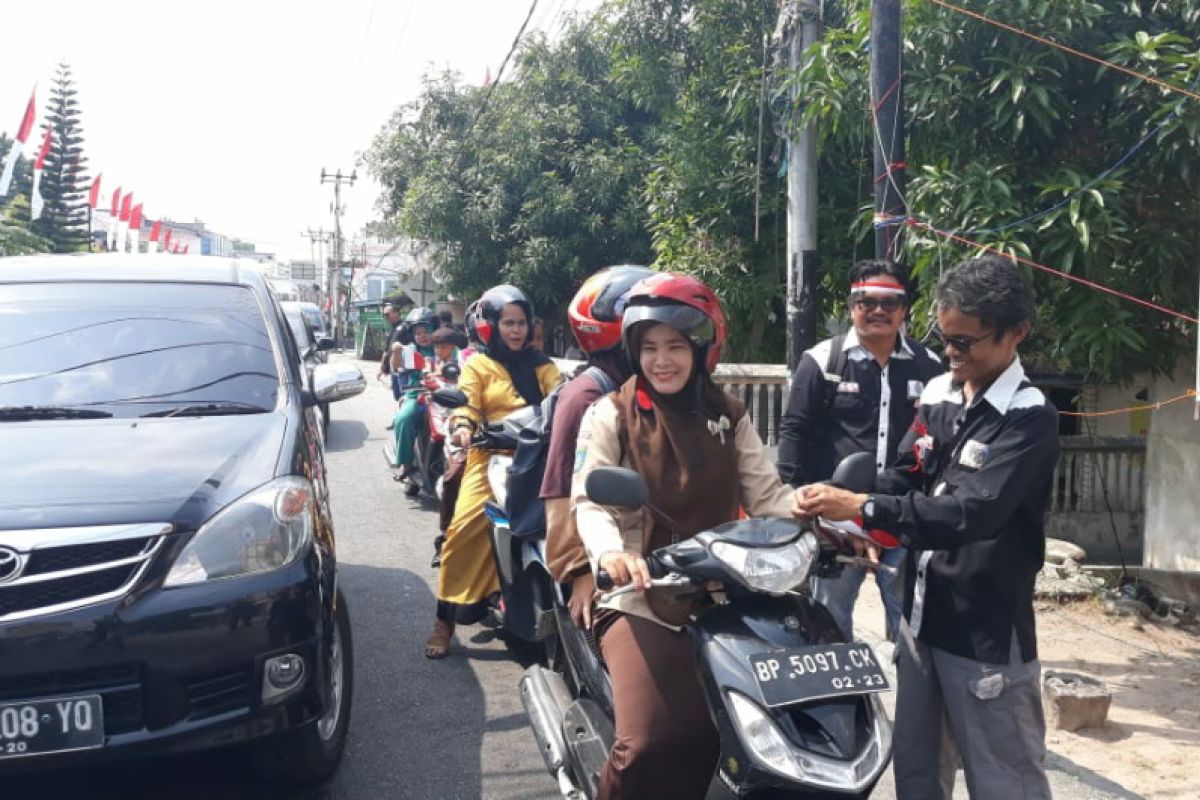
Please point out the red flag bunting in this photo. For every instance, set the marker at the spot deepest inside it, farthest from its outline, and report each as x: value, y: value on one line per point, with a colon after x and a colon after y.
x: 176, y: 250
x: 40, y: 162
x: 185, y: 248
x: 155, y: 230
x: 94, y: 194
x: 116, y: 201
x: 135, y: 217
x: 167, y: 241
x: 126, y: 205
x: 27, y: 121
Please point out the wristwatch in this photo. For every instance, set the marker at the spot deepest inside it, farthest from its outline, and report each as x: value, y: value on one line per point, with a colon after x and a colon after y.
x: 867, y: 512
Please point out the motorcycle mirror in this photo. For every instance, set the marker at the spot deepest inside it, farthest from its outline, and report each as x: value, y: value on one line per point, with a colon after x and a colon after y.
x: 616, y: 486
x: 855, y: 473
x: 449, y: 397
x: 451, y: 372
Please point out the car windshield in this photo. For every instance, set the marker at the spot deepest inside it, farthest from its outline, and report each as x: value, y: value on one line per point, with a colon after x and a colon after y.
x: 133, y: 349
x: 299, y: 329
x: 313, y: 315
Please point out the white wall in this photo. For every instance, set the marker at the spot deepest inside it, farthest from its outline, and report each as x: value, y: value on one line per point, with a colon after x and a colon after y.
x: 1172, y: 539
x: 1104, y: 398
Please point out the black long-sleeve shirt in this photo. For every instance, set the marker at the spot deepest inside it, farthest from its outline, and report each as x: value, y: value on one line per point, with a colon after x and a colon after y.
x: 968, y: 496
x: 871, y: 411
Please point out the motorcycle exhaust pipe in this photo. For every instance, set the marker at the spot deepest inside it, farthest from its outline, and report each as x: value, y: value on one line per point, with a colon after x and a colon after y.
x: 545, y: 696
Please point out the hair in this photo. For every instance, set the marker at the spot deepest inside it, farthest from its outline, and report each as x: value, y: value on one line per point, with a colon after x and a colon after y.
x: 447, y: 319
x: 865, y: 270
x: 990, y: 288
x: 390, y: 307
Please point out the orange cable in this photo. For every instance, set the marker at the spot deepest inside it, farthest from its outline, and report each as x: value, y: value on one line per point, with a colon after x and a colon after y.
x: 1050, y: 42
x: 1146, y: 407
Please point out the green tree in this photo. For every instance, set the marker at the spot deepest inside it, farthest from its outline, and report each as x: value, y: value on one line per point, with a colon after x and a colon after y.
x: 64, y: 184
x: 1003, y: 129
x: 15, y: 237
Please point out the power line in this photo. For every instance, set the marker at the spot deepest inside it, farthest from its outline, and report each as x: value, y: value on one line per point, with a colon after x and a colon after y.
x: 500, y: 74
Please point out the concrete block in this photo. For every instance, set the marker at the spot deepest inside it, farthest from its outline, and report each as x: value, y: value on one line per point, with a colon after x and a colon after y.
x: 1073, y: 701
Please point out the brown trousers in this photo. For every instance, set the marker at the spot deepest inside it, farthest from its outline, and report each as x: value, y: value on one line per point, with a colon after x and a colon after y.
x: 666, y: 747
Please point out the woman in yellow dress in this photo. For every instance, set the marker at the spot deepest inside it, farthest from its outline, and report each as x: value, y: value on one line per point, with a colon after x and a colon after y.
x: 506, y: 375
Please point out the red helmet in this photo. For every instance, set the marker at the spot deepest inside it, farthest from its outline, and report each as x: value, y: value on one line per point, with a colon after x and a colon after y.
x: 486, y: 320
x: 596, y: 310
x: 682, y: 302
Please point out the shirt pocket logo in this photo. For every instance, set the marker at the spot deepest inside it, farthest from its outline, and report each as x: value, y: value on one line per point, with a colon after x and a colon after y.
x: 915, y: 389
x: 974, y: 455
x: 848, y: 387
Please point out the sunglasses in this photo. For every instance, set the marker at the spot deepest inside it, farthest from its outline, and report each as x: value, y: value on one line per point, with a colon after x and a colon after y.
x: 962, y: 344
x: 890, y: 304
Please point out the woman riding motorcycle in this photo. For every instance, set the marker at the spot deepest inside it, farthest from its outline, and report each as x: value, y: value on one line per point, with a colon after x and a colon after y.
x: 506, y: 376
x: 594, y: 315
x: 409, y: 362
x: 703, y: 462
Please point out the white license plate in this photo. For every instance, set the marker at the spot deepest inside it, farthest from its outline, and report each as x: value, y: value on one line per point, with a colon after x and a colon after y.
x: 51, y: 725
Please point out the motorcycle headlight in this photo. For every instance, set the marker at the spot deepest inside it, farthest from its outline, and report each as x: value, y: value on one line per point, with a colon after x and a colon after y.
x: 267, y: 529
x: 773, y: 570
x: 767, y: 744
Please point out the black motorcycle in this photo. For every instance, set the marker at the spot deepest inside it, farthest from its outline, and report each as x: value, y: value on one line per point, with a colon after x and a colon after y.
x: 796, y: 705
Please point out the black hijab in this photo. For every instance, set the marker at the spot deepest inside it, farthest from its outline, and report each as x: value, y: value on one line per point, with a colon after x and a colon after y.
x: 522, y: 365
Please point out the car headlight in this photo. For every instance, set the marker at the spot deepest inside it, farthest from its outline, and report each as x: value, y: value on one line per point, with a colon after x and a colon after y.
x: 267, y: 529
x: 766, y: 743
x: 774, y: 570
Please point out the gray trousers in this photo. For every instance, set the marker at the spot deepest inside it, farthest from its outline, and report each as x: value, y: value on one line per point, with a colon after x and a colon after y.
x: 988, y: 715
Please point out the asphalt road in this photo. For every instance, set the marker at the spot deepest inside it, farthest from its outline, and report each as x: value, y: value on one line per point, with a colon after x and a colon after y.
x: 420, y: 729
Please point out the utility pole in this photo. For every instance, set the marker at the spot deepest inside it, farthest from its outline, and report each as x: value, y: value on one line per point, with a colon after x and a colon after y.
x: 317, y: 240
x: 803, y: 269
x: 337, y: 313
x: 887, y: 102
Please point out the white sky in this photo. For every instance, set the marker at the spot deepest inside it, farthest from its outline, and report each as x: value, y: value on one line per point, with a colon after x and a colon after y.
x: 227, y: 111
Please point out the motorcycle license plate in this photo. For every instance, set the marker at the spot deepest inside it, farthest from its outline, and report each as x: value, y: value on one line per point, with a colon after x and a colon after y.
x: 811, y: 673
x: 52, y: 725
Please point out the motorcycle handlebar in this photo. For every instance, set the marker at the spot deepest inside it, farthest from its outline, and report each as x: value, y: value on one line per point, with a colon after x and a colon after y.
x: 604, y: 581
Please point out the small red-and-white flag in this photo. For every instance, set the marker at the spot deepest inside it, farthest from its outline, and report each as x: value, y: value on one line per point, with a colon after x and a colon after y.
x: 36, y: 204
x: 167, y: 241
x: 155, y: 230
x: 185, y: 248
x: 18, y: 146
x: 126, y: 206
x: 94, y: 194
x: 176, y: 250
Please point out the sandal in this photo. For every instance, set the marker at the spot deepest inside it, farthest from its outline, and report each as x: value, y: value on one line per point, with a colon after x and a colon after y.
x: 438, y: 644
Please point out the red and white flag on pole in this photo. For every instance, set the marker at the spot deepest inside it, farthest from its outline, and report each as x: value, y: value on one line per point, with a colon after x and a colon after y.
x: 186, y: 247
x: 167, y: 241
x: 35, y: 194
x: 94, y: 193
x: 176, y: 250
x: 14, y: 152
x: 112, y: 218
x: 135, y: 227
x: 155, y: 233
x: 123, y: 221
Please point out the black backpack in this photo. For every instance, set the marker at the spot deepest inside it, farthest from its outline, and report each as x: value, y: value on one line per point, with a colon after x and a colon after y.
x: 524, y: 505
x: 835, y: 365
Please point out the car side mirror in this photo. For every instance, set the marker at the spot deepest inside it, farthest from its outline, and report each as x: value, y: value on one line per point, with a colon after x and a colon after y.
x: 333, y: 382
x: 449, y: 397
x: 325, y: 343
x: 855, y: 473
x: 616, y: 486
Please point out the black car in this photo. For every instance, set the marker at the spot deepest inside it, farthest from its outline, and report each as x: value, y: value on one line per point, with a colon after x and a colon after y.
x: 168, y: 578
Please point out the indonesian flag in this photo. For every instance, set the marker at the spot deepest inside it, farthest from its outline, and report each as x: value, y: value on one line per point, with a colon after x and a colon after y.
x: 411, y: 359
x: 186, y: 247
x: 487, y: 77
x: 94, y: 194
x: 155, y: 230
x: 18, y: 146
x: 167, y: 241
x: 176, y: 250
x: 123, y: 221
x: 35, y: 195
x: 135, y: 227
x: 112, y: 218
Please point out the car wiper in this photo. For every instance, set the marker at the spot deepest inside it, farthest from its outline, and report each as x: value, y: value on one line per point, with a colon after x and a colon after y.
x: 23, y: 413
x: 210, y: 410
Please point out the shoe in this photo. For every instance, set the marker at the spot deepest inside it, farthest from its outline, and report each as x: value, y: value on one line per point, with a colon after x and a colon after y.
x: 391, y: 425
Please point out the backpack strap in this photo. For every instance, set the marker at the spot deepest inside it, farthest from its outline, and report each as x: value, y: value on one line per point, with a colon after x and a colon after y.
x: 835, y: 365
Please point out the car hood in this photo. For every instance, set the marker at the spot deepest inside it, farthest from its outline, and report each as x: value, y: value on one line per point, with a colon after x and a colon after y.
x: 182, y: 470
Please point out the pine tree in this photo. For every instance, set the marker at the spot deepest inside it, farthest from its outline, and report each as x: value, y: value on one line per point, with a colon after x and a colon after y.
x: 15, y: 236
x: 64, y: 185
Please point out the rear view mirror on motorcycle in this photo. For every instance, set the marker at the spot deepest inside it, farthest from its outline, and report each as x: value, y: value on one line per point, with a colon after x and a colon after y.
x: 855, y: 473
x: 451, y: 372
x: 449, y: 397
x: 616, y: 486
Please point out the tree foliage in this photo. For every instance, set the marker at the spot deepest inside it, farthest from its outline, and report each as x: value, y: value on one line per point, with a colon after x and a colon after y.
x: 64, y: 184
x: 15, y: 237
x: 653, y: 130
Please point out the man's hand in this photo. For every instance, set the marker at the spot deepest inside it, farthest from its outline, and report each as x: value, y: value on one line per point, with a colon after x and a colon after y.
x: 626, y: 568
x: 583, y: 591
x: 836, y: 505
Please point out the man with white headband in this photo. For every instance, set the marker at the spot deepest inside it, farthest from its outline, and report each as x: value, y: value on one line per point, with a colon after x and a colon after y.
x: 857, y: 392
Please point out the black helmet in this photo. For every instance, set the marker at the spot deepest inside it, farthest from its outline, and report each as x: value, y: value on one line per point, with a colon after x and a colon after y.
x: 422, y: 316
x: 486, y: 319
